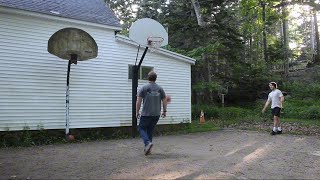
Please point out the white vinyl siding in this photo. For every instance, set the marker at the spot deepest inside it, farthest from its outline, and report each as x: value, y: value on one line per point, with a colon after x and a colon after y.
x: 33, y: 82
x: 173, y: 75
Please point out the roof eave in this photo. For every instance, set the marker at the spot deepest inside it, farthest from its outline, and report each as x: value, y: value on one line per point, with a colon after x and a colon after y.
x: 9, y: 10
x: 159, y: 50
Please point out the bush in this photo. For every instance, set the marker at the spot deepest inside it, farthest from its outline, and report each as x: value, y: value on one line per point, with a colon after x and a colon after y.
x: 231, y: 113
x: 312, y: 112
x: 301, y: 91
x: 214, y: 112
x: 210, y: 111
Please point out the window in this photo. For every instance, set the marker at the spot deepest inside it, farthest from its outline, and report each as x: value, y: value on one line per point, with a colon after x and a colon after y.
x: 143, y: 73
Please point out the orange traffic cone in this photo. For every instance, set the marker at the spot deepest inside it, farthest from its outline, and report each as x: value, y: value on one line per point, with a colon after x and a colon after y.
x: 202, y: 120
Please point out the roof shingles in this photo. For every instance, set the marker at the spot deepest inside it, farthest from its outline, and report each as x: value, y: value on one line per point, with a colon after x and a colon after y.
x: 94, y: 11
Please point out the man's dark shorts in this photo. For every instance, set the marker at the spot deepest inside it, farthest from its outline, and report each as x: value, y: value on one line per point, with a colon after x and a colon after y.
x: 276, y: 111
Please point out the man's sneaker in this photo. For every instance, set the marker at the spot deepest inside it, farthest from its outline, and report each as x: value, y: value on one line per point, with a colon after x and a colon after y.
x: 147, y: 149
x: 273, y: 133
x: 279, y: 132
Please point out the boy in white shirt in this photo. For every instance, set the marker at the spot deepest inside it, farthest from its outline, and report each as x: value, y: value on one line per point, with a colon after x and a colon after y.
x: 276, y: 99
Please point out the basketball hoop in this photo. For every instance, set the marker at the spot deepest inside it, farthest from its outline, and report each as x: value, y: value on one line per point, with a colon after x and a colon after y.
x: 154, y: 43
x: 151, y: 34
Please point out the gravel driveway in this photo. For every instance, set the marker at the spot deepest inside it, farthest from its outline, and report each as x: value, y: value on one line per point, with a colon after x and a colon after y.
x: 231, y: 154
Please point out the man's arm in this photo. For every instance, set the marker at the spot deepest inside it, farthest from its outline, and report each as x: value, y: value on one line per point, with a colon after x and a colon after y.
x: 138, y: 105
x: 164, y: 108
x: 282, y: 100
x: 265, y: 106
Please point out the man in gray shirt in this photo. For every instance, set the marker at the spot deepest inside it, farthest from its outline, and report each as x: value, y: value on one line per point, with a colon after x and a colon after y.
x: 152, y: 94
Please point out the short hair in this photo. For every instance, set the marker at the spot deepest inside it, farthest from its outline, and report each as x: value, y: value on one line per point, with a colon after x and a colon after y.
x: 152, y: 76
x: 274, y: 84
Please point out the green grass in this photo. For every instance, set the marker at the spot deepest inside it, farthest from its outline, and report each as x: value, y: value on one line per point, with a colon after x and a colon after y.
x: 207, y: 126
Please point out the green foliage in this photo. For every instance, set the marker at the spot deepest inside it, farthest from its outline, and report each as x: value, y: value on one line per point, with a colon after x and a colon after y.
x: 248, y: 80
x: 300, y: 105
x: 210, y: 48
x: 218, y: 112
x: 312, y: 112
x: 210, y: 111
x: 196, y: 127
x: 234, y: 113
x: 206, y: 86
x: 26, y: 137
x: 302, y: 91
x: 302, y: 109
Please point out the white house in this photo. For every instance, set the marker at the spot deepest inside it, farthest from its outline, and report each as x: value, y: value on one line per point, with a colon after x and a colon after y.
x: 33, y: 81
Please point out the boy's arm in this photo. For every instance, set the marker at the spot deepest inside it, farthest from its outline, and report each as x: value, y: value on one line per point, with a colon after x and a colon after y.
x: 138, y: 105
x: 282, y: 100
x: 164, y: 103
x: 164, y: 106
x: 265, y: 106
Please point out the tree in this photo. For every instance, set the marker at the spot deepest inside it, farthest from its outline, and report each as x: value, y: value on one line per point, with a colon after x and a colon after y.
x: 317, y: 57
x: 285, y: 38
x: 125, y: 11
x: 197, y: 10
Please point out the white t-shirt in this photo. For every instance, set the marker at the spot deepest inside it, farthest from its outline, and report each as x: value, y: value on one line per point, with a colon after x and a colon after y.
x: 274, y: 96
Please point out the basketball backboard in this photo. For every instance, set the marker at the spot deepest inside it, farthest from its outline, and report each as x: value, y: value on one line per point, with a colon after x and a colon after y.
x: 148, y: 32
x: 69, y: 41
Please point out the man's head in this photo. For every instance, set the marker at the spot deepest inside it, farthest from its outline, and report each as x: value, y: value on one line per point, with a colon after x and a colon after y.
x: 152, y: 76
x: 273, y: 85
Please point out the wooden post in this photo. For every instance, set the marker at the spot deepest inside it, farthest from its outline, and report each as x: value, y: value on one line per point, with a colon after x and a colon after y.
x: 202, y: 120
x: 222, y: 100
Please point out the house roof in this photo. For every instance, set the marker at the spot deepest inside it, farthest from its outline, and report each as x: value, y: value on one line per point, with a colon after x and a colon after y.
x: 159, y: 50
x: 94, y: 11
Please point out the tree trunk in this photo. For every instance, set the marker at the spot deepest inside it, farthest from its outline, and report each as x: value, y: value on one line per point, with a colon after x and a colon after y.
x: 245, y: 49
x: 250, y: 50
x: 312, y: 36
x: 207, y: 76
x: 317, y: 58
x: 263, y: 4
x: 197, y: 10
x: 285, y: 40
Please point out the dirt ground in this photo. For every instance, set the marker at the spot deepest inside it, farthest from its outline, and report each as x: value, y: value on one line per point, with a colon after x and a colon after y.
x: 231, y: 154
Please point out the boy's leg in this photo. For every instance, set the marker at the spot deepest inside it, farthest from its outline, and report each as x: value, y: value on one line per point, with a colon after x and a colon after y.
x: 276, y: 122
x: 274, y: 129
x: 143, y: 129
x: 153, y: 122
x: 279, y: 130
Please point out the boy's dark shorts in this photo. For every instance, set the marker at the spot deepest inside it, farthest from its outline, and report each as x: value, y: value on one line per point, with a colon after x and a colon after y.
x: 276, y: 111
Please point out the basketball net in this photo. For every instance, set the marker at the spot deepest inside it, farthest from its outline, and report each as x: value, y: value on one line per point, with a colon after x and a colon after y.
x: 154, y: 43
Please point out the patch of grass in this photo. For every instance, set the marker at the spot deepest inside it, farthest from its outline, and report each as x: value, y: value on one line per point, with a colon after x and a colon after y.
x: 197, y: 127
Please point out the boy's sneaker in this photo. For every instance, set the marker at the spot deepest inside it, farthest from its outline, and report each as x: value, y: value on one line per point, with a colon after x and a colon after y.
x: 147, y: 149
x: 279, y: 132
x: 273, y: 133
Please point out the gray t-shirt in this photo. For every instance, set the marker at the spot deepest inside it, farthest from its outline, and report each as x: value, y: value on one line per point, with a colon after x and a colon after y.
x: 152, y: 95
